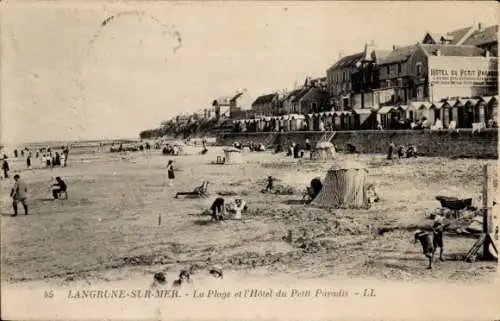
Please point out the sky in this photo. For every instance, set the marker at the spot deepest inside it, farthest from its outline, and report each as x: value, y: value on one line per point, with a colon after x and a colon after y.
x: 108, y: 70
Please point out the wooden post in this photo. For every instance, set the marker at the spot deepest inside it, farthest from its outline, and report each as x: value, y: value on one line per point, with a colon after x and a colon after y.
x: 487, y: 208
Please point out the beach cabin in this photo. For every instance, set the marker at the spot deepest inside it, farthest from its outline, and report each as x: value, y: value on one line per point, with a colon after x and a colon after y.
x: 491, y: 108
x: 296, y: 122
x: 310, y: 122
x: 363, y: 119
x: 438, y: 112
x: 384, y: 115
x: 446, y: 114
x: 425, y: 110
x: 411, y: 111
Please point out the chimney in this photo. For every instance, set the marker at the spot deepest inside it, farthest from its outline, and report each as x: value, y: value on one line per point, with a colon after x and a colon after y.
x: 393, y: 47
x: 479, y: 26
x: 341, y: 53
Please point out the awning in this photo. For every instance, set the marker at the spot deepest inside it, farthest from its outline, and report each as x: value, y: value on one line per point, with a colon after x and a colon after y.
x: 362, y: 111
x: 453, y: 102
x: 415, y: 105
x: 438, y: 105
x: 426, y: 105
x: 403, y: 107
x: 385, y: 110
x: 298, y: 117
x: 487, y: 99
x: 472, y: 102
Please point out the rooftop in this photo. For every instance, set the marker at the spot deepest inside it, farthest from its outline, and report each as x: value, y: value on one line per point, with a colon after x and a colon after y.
x: 264, y: 99
x: 454, y: 51
x: 483, y: 36
x: 399, y: 54
x: 297, y: 94
x: 347, y: 61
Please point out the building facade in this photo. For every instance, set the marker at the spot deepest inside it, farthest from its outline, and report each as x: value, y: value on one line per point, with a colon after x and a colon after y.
x: 229, y: 106
x: 306, y: 100
x: 266, y: 105
x: 339, y: 80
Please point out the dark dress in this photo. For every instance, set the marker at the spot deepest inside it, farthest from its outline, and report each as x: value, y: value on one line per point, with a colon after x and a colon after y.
x: 170, y: 172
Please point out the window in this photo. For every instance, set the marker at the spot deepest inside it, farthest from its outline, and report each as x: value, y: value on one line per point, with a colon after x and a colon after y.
x: 388, y: 69
x: 419, y: 69
x: 388, y: 83
x: 399, y: 68
x: 400, y: 82
x: 343, y: 76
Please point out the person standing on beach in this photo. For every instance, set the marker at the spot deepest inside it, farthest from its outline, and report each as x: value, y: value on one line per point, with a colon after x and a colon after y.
x: 5, y: 167
x: 65, y: 153
x: 28, y: 161
x: 18, y: 194
x: 391, y: 151
x: 170, y: 172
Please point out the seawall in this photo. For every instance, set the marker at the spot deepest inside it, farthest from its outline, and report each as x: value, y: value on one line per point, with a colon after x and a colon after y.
x: 461, y: 143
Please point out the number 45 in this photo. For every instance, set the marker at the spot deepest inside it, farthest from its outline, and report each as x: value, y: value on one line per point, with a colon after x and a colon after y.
x: 48, y: 294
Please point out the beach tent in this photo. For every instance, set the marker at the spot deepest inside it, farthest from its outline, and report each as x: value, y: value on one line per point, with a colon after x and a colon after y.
x: 323, y: 151
x: 233, y: 156
x: 344, y: 186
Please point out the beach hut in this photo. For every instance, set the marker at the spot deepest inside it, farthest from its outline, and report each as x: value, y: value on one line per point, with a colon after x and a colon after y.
x: 323, y: 151
x: 438, y: 112
x: 344, y: 186
x: 336, y: 120
x: 384, y: 116
x: 454, y: 107
x: 310, y: 122
x: 296, y: 122
x: 327, y: 119
x: 402, y: 114
x: 362, y: 119
x: 491, y: 108
x: 446, y: 114
x: 472, y: 114
x: 411, y: 111
x: 232, y: 156
x: 424, y: 110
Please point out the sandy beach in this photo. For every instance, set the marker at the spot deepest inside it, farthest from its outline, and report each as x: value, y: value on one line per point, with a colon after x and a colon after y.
x: 109, y: 228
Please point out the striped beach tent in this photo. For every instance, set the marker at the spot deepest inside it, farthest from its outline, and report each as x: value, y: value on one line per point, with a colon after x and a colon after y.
x: 344, y: 186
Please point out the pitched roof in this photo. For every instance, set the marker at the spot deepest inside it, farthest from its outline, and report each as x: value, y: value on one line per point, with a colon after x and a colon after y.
x: 454, y: 51
x: 399, y: 54
x: 238, y: 95
x: 435, y: 36
x: 455, y: 37
x: 381, y: 54
x: 483, y: 36
x: 264, y: 99
x: 347, y: 61
x: 458, y: 35
x: 297, y: 94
